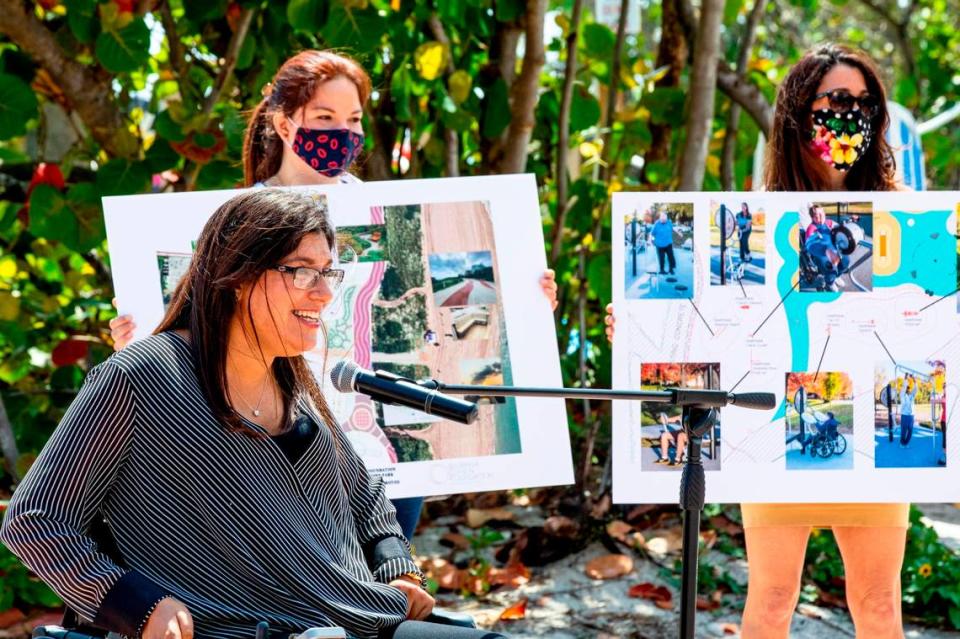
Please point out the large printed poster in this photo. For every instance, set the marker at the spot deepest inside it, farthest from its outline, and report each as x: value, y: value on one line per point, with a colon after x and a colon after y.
x: 844, y: 305
x: 441, y: 282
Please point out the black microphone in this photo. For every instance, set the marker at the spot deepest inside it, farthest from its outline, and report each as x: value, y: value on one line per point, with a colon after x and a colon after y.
x: 388, y: 388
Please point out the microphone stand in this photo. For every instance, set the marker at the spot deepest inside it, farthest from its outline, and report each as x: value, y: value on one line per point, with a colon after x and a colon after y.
x: 700, y: 414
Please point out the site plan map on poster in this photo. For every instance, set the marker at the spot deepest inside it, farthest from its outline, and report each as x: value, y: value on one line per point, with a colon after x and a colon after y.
x: 843, y: 305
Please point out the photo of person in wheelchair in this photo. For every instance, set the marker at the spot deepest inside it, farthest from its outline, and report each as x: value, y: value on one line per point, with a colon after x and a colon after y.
x: 831, y: 249
x: 818, y: 428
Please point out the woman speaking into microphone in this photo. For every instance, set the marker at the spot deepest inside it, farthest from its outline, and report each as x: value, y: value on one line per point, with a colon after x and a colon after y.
x: 217, y: 414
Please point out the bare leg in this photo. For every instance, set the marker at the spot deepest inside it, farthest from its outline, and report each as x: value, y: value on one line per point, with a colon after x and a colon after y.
x: 872, y: 559
x: 775, y: 558
x: 681, y: 446
x: 665, y: 439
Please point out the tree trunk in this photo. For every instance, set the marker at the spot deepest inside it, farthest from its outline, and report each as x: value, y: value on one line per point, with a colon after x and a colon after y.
x: 525, y: 91
x: 672, y: 53
x: 728, y: 159
x: 563, y: 132
x: 451, y: 138
x: 703, y: 85
x: 502, y: 64
x: 614, y: 90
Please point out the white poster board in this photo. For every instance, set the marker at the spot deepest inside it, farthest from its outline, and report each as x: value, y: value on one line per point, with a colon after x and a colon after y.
x: 864, y: 301
x: 446, y: 286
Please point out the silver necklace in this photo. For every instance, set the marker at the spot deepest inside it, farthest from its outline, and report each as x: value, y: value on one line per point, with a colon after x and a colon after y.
x: 256, y: 409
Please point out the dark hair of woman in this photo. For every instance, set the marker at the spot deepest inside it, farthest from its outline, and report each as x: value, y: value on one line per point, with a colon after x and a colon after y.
x: 791, y: 163
x: 292, y: 88
x: 248, y: 235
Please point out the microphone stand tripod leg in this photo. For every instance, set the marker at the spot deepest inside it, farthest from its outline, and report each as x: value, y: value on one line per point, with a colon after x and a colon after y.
x: 696, y: 422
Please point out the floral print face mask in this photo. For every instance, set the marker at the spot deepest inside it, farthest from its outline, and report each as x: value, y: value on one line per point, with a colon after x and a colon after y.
x: 840, y: 139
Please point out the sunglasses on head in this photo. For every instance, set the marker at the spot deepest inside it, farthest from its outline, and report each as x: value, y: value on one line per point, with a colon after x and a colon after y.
x: 842, y: 101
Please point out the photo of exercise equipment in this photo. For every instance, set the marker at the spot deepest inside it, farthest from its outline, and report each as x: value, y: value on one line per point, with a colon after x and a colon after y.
x: 737, y: 243
x: 910, y: 416
x: 836, y: 247
x: 658, y: 255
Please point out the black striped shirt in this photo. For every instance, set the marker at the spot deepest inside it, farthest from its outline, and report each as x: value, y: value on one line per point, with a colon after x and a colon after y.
x: 223, y: 521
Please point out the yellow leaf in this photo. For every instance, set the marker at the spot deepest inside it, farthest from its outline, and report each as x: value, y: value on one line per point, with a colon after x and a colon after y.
x: 590, y: 149
x: 459, y: 85
x: 9, y: 307
x: 394, y: 5
x: 713, y: 165
x: 50, y: 305
x: 430, y: 58
x: 8, y: 267
x: 587, y: 239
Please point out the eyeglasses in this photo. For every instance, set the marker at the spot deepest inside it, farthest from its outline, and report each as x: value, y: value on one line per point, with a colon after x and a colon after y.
x: 306, y: 278
x: 842, y: 101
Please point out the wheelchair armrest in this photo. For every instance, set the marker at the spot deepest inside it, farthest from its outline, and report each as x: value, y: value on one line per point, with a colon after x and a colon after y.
x: 449, y: 618
x: 59, y: 632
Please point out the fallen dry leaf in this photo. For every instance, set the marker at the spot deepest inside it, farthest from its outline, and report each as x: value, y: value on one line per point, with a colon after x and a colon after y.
x: 659, y: 595
x: 664, y: 541
x: 560, y: 526
x: 726, y: 526
x: 10, y: 617
x: 512, y: 576
x: 707, y: 603
x: 709, y: 538
x: 450, y: 577
x: 455, y: 540
x: 516, y: 611
x: 730, y: 628
x: 477, y: 517
x: 475, y: 584
x: 831, y: 599
x: 619, y: 530
x: 602, y: 507
x: 609, y: 567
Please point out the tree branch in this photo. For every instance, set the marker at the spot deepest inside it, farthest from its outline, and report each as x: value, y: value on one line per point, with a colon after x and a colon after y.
x: 735, y: 87
x: 88, y: 91
x: 229, y: 60
x: 900, y: 32
x: 703, y: 85
x: 614, y: 90
x: 525, y: 91
x: 563, y: 133
x: 224, y: 76
x: 178, y: 57
x: 728, y: 156
x: 451, y: 138
x: 747, y: 95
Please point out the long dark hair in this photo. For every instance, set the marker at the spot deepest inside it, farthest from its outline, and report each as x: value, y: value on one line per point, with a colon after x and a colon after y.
x: 292, y: 87
x: 246, y: 236
x: 791, y: 164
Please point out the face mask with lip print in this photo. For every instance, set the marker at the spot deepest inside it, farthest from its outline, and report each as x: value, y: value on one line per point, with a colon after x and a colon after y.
x: 327, y: 151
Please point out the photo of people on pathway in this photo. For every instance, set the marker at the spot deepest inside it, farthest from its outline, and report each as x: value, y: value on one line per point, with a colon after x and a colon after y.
x: 659, y: 252
x: 819, y: 421
x: 910, y: 416
x: 737, y: 243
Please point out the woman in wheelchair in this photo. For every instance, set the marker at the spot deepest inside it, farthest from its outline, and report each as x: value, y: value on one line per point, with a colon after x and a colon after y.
x: 821, y: 262
x: 214, y: 459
